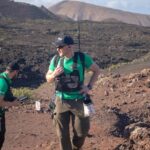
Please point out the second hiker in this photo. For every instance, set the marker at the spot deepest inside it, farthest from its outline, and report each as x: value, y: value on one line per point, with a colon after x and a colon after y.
x: 6, y: 96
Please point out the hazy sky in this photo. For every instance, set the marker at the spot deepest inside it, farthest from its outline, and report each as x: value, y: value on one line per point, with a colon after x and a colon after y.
x: 139, y: 6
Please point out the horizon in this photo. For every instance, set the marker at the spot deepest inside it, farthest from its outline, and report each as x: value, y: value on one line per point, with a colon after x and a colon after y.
x: 134, y: 6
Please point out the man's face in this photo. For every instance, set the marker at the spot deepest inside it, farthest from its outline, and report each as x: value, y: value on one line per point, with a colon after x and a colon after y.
x: 15, y: 74
x: 65, y: 50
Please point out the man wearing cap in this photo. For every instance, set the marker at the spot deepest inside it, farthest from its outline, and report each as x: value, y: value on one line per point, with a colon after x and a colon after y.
x: 68, y: 75
x: 6, y: 97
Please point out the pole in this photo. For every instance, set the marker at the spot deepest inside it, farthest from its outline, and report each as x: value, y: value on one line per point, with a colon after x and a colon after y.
x: 78, y: 35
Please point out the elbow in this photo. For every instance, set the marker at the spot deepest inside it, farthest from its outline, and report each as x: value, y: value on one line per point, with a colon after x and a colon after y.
x: 49, y: 77
x: 2, y: 103
x: 97, y: 70
x: 47, y: 80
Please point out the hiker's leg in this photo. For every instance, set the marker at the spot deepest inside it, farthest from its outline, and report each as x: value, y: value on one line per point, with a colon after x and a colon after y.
x: 2, y: 131
x: 61, y: 121
x: 81, y: 126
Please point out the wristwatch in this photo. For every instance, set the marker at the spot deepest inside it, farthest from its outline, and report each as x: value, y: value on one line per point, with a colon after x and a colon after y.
x: 89, y: 87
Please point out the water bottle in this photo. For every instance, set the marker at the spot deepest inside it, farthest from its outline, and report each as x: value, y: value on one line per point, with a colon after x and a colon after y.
x: 88, y: 106
x: 38, y: 106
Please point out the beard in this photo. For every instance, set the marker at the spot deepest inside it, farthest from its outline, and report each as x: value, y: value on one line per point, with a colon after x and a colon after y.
x: 14, y: 77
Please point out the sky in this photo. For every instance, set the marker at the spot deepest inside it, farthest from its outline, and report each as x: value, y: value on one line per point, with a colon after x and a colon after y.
x: 137, y: 6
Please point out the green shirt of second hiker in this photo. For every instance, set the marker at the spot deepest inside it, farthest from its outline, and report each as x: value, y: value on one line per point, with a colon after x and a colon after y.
x: 4, y: 87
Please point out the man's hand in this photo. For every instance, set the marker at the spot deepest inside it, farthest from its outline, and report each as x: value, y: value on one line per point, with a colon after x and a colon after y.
x: 50, y: 75
x: 85, y: 90
x: 16, y: 103
x: 4, y: 103
x: 59, y: 70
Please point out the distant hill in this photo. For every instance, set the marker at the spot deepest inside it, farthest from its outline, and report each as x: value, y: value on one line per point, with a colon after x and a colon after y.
x: 18, y: 10
x: 30, y: 42
x: 84, y: 11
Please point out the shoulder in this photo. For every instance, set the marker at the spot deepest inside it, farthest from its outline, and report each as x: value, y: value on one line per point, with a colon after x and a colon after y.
x: 3, y: 86
x: 55, y: 58
x: 83, y: 54
x: 85, y: 58
x: 54, y: 62
x: 3, y: 82
x: 88, y: 60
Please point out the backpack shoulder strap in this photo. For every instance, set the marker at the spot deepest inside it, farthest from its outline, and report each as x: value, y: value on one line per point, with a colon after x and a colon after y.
x: 56, y: 59
x: 82, y: 59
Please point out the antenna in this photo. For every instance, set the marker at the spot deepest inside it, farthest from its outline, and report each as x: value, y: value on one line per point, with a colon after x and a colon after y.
x: 78, y: 35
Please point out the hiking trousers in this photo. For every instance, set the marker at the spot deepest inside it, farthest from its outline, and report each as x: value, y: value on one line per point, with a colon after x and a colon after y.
x: 69, y: 114
x: 2, y: 130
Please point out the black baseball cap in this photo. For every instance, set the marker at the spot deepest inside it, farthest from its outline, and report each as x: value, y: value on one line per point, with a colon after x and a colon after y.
x: 63, y: 41
x: 12, y: 66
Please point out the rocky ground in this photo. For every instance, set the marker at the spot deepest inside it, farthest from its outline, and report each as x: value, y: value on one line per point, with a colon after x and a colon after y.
x: 121, y: 122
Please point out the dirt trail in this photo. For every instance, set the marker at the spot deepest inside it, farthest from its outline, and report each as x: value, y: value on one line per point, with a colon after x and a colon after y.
x: 119, y: 102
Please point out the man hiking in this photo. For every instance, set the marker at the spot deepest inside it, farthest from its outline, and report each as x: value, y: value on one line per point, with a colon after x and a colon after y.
x: 6, y: 97
x: 67, y: 70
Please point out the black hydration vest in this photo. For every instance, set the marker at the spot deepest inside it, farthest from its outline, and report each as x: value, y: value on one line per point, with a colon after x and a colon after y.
x: 9, y: 95
x: 69, y: 82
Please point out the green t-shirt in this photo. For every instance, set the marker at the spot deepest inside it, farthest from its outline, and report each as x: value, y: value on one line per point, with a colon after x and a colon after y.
x: 68, y: 68
x: 3, y: 87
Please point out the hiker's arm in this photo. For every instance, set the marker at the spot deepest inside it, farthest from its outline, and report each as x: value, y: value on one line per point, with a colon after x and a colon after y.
x: 96, y: 71
x: 50, y: 75
x: 8, y: 104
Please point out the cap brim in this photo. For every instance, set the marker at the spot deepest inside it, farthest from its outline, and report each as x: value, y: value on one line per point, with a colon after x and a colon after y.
x: 58, y: 44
